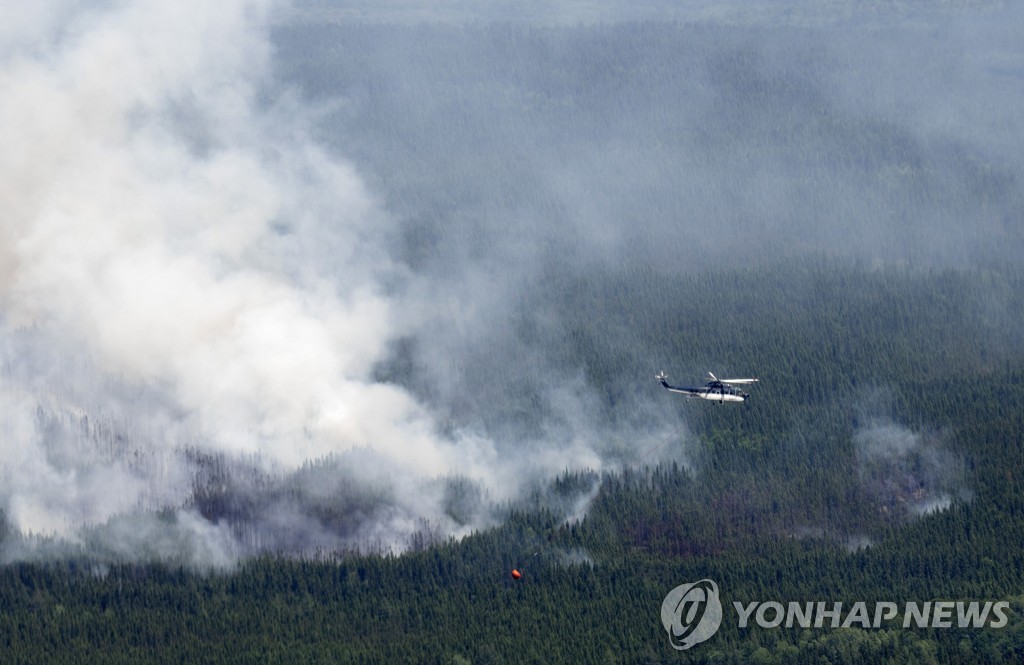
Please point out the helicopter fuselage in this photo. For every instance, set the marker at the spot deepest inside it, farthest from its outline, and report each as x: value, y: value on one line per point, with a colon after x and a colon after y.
x: 715, y: 390
x: 713, y: 393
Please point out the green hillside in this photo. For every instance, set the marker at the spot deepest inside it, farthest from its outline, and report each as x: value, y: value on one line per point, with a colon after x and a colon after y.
x: 497, y: 231
x: 879, y: 459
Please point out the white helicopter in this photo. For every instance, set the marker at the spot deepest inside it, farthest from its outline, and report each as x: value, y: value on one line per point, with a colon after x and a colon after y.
x: 716, y: 390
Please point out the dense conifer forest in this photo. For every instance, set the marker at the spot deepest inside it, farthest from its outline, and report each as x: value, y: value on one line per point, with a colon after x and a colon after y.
x: 778, y: 500
x: 594, y: 204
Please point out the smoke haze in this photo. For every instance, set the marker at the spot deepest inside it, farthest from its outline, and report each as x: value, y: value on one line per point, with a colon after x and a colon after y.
x: 908, y: 473
x: 165, y: 284
x: 282, y: 278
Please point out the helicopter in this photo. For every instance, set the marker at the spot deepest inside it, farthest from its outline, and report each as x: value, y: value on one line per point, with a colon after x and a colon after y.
x: 716, y: 390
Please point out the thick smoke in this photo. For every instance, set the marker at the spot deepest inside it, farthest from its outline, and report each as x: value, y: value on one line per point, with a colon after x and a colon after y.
x: 196, y: 304
x: 162, y: 281
x: 220, y: 337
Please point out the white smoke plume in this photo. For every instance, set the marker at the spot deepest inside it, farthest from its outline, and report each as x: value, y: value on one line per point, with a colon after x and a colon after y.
x: 908, y: 473
x: 194, y: 300
x: 162, y: 290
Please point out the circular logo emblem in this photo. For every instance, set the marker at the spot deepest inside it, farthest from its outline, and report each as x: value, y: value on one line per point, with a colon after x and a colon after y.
x: 691, y: 613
